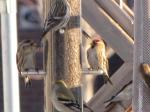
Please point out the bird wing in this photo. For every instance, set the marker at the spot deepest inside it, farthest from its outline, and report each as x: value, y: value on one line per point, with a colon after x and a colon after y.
x: 62, y: 95
x: 58, y: 8
x: 65, y: 93
x: 69, y: 103
x: 20, y: 58
x: 56, y: 13
x: 107, y: 64
x: 103, y: 61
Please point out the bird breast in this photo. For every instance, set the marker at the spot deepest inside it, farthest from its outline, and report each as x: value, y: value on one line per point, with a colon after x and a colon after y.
x: 92, y: 58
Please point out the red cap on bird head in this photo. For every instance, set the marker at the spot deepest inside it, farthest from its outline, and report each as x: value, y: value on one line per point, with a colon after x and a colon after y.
x: 96, y: 38
x: 96, y: 41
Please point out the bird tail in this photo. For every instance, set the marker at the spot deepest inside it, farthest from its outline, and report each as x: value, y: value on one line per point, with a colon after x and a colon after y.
x: 27, y: 82
x: 107, y: 79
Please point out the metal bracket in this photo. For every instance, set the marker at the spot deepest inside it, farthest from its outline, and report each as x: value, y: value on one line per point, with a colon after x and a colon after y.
x: 33, y: 73
x: 94, y: 72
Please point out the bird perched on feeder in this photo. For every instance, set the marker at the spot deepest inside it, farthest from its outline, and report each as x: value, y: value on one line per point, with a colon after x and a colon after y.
x: 97, y: 59
x: 25, y: 58
x: 63, y: 99
x: 58, y: 16
x: 145, y: 70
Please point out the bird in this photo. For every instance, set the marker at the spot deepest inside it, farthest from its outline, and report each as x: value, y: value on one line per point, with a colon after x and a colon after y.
x: 58, y: 16
x: 25, y: 59
x: 145, y: 72
x: 96, y: 56
x: 63, y: 99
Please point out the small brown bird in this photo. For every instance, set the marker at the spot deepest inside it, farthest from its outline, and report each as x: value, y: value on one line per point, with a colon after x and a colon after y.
x: 58, y: 16
x: 145, y: 70
x: 97, y: 59
x: 26, y: 60
x: 64, y: 100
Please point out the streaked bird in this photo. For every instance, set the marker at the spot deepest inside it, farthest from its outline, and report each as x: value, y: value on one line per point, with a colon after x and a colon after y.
x: 58, y: 16
x: 63, y: 99
x: 97, y: 59
x: 145, y: 71
x: 26, y: 60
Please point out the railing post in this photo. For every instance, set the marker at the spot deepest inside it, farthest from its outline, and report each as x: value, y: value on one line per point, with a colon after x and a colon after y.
x: 9, y: 48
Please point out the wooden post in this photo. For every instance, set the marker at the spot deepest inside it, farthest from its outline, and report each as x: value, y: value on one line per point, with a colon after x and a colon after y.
x: 48, y: 62
x: 8, y: 30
